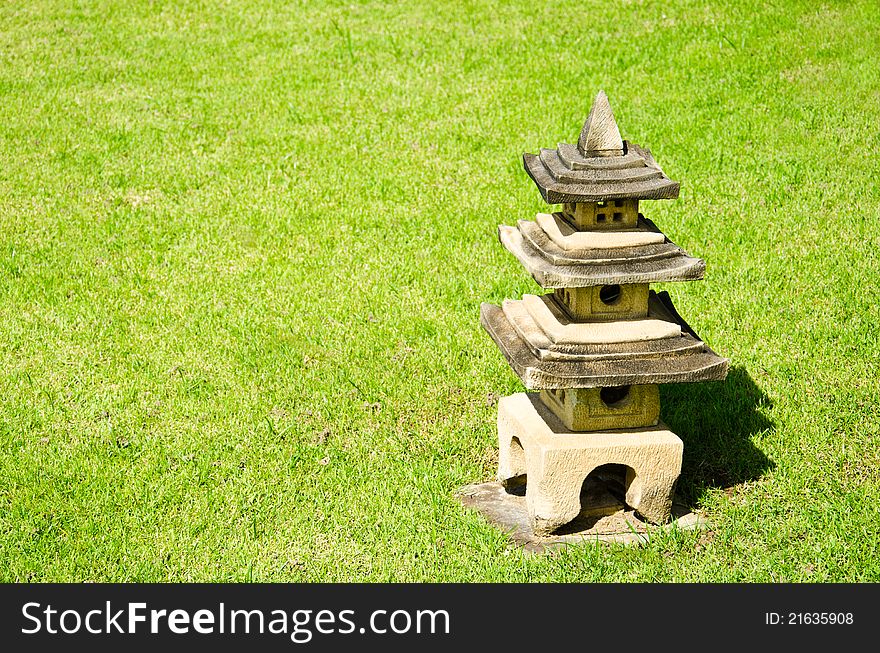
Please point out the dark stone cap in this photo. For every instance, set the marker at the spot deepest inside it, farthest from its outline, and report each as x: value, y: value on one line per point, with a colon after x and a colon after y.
x: 600, y: 167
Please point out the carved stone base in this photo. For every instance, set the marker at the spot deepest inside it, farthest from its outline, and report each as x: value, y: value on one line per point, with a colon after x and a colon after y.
x: 556, y: 461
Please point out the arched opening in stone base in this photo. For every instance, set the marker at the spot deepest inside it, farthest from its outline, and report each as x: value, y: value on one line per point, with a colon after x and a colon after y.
x: 603, y: 493
x: 517, y: 484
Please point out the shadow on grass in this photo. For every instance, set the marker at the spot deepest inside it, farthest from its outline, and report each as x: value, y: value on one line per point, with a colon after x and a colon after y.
x: 717, y: 421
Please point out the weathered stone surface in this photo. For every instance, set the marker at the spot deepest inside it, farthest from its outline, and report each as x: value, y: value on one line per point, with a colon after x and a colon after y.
x: 541, y: 346
x: 595, y: 177
x: 602, y: 167
x: 560, y: 329
x: 597, y: 497
x: 629, y: 366
x: 572, y: 241
x: 574, y: 160
x: 621, y: 271
x: 553, y: 253
x: 599, y: 345
x: 599, y: 216
x: 600, y: 136
x: 556, y: 461
x: 507, y: 511
x: 560, y: 183
x: 660, y: 307
x: 602, y: 409
x: 618, y: 302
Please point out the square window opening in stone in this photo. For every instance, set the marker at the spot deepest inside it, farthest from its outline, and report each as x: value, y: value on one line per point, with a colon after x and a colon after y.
x: 600, y: 217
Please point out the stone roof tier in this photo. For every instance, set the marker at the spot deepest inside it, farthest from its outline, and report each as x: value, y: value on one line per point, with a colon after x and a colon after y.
x: 600, y: 167
x: 554, y: 264
x: 550, y: 356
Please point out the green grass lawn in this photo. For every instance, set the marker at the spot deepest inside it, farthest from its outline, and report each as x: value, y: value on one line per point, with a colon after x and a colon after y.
x: 243, y: 249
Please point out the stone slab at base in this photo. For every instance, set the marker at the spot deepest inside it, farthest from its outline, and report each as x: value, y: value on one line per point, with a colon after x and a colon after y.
x: 508, y: 512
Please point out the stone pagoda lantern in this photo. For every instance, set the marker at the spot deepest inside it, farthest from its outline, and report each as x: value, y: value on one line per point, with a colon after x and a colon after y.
x: 599, y: 343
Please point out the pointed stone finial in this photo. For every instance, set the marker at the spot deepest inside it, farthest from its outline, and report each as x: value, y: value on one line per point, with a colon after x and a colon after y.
x: 600, y: 136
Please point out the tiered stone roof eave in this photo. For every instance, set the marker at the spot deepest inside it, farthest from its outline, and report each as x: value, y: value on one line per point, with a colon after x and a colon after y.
x: 537, y: 335
x: 682, y: 359
x: 551, y: 268
x: 564, y: 175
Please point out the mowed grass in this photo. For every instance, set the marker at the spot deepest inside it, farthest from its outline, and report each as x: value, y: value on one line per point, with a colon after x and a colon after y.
x: 243, y: 248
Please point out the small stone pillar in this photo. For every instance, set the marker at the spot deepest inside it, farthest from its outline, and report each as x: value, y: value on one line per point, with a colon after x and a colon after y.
x: 596, y: 346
